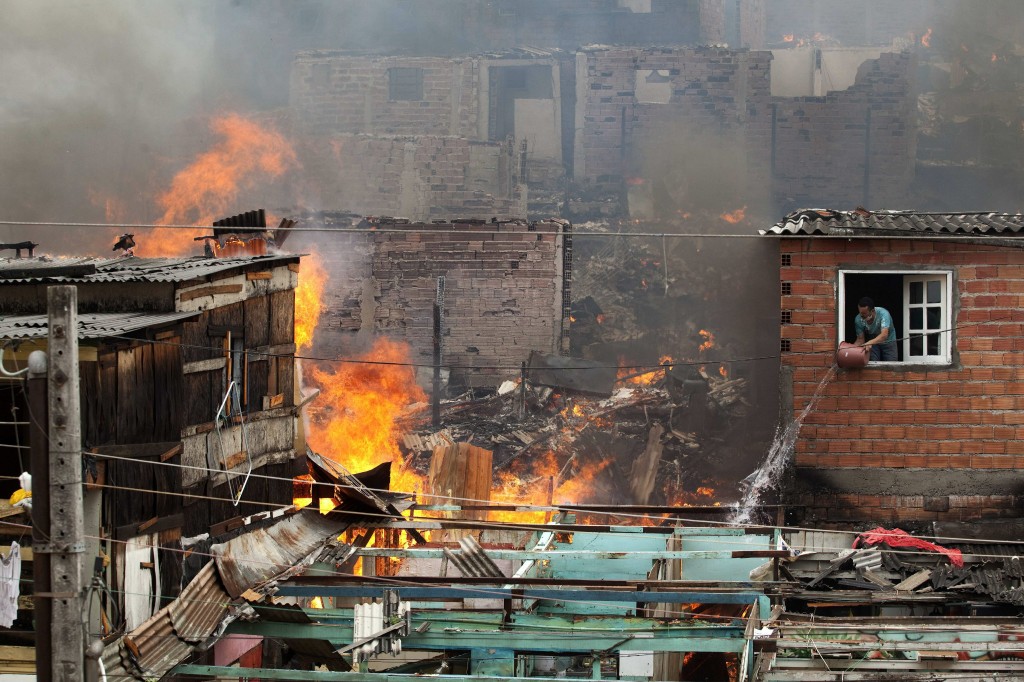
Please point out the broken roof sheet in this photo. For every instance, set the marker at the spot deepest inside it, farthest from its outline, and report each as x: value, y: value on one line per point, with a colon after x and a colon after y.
x: 253, y: 558
x: 90, y: 325
x: 828, y: 222
x: 130, y: 269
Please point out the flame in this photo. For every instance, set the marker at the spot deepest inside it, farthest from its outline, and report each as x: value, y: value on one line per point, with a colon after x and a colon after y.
x: 709, y: 340
x: 624, y: 373
x: 208, y: 188
x: 788, y: 38
x: 723, y: 371
x: 316, y: 603
x: 994, y: 57
x: 599, y: 318
x: 308, y: 300
x: 355, y: 419
x: 572, y: 318
x: 737, y: 216
x: 926, y: 39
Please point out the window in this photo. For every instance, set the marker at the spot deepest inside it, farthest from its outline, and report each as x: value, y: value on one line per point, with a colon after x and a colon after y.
x: 920, y: 303
x: 405, y: 84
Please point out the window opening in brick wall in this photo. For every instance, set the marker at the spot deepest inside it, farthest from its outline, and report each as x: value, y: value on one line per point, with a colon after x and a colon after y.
x: 405, y: 84
x: 787, y: 317
x: 787, y: 288
x: 920, y: 302
x: 786, y: 346
x: 787, y: 260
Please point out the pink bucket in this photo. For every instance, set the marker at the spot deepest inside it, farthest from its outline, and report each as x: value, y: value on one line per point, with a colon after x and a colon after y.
x: 850, y: 356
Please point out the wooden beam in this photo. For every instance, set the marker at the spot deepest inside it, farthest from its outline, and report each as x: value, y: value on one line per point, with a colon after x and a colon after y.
x: 258, y: 275
x: 210, y: 291
x: 160, y: 524
x: 203, y: 365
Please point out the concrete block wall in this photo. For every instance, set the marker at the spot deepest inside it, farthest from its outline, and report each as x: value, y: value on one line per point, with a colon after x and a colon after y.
x: 822, y: 144
x: 422, y: 177
x: 715, y: 88
x: 915, y: 443
x: 503, y: 293
x: 332, y: 92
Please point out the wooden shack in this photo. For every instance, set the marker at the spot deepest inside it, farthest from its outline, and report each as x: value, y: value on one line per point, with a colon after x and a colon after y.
x: 187, y: 388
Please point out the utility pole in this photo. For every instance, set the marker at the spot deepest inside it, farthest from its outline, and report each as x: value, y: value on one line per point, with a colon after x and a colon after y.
x: 67, y: 528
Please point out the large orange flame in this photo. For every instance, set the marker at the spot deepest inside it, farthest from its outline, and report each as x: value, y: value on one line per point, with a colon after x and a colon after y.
x: 246, y: 155
x: 709, y: 340
x: 308, y: 304
x: 355, y: 419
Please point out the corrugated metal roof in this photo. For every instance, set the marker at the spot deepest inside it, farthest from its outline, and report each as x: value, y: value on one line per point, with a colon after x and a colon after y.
x: 252, y: 559
x: 130, y: 269
x: 815, y: 221
x: 90, y: 325
x: 201, y: 607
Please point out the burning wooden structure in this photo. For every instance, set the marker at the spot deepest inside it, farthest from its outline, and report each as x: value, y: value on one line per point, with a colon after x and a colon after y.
x: 187, y: 384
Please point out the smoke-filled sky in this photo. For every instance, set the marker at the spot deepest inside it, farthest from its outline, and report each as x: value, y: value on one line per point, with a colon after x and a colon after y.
x: 102, y: 102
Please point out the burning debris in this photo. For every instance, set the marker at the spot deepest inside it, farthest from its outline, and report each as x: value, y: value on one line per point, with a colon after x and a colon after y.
x: 647, y: 443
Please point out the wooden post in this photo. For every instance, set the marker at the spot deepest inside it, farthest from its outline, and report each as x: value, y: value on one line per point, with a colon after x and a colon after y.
x: 39, y: 467
x: 435, y: 395
x: 522, y: 391
x: 67, y: 528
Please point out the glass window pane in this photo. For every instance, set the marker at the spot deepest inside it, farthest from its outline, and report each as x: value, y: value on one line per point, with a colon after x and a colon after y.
x: 935, y: 291
x: 934, y: 317
x: 916, y: 345
x: 916, y: 318
x: 933, y: 344
x: 917, y: 292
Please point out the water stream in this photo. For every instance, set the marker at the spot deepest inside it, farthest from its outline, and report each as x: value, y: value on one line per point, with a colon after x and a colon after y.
x: 768, y: 476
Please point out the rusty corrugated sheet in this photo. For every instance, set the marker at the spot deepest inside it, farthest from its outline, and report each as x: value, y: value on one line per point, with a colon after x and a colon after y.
x: 200, y: 608
x: 251, y: 559
x: 158, y: 647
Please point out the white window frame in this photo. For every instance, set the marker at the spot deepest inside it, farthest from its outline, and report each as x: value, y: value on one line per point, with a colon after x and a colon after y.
x: 945, y: 356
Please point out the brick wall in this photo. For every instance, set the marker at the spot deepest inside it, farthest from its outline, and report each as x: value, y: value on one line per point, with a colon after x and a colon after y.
x: 332, y: 92
x: 909, y: 444
x: 423, y: 177
x: 503, y: 292
x: 711, y: 89
x: 822, y: 143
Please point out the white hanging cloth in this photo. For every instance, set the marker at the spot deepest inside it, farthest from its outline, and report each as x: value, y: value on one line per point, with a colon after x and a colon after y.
x: 10, y: 585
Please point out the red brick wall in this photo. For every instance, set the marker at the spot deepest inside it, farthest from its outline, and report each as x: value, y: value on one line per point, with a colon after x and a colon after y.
x: 957, y: 430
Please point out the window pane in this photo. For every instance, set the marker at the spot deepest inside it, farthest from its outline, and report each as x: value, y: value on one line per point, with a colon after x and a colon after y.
x: 934, y: 317
x: 916, y: 345
x: 916, y: 318
x: 917, y: 292
x: 933, y: 344
x: 935, y: 291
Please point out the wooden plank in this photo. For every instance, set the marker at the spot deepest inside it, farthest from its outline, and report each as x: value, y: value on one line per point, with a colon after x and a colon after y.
x: 231, y: 461
x: 159, y: 525
x: 914, y: 581
x: 258, y: 275
x: 210, y: 291
x: 136, y: 450
x: 173, y: 452
x: 294, y: 267
x: 282, y: 318
x: 272, y: 401
x: 203, y: 365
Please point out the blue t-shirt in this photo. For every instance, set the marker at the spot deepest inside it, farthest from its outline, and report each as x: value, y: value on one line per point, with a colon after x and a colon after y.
x: 883, y: 320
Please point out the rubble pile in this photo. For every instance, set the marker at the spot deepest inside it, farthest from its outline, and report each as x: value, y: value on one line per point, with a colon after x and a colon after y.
x: 644, y: 444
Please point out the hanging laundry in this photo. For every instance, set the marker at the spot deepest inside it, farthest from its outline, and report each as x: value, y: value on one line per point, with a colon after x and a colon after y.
x: 10, y: 585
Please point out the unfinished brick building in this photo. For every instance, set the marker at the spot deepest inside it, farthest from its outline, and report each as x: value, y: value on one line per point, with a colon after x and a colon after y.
x: 505, y: 292
x: 936, y: 435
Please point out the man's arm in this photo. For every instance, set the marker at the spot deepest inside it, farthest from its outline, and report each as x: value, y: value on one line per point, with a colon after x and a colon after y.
x: 860, y: 340
x: 880, y: 339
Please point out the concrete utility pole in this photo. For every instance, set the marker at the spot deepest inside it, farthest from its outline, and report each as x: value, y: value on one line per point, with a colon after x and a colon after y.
x: 67, y: 528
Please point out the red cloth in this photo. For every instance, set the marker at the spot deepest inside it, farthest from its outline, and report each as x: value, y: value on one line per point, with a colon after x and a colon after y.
x: 901, y: 538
